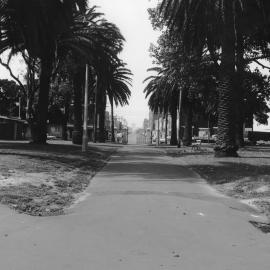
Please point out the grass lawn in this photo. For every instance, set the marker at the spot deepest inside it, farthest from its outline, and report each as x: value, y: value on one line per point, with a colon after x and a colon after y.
x: 44, y: 180
x: 246, y: 177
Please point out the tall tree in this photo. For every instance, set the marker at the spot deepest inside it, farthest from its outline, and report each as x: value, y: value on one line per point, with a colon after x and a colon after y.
x: 118, y: 80
x: 163, y: 93
x: 213, y: 23
x: 9, y: 97
x: 36, y: 25
x: 94, y: 41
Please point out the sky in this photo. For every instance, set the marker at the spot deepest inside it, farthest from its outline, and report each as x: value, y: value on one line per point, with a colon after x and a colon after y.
x: 17, y: 65
x: 132, y: 19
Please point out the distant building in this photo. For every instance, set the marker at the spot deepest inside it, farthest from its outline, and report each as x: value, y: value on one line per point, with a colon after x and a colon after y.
x: 12, y: 128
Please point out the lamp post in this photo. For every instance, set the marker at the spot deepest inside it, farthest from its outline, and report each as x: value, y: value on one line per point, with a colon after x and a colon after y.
x: 85, y: 134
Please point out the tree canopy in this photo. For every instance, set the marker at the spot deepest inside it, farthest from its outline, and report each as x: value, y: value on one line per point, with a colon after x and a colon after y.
x: 208, y: 47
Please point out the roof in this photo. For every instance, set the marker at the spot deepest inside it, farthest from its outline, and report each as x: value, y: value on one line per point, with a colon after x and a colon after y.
x: 14, y: 119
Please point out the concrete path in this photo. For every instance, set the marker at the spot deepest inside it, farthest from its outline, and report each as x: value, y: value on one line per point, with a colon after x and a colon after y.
x: 144, y: 211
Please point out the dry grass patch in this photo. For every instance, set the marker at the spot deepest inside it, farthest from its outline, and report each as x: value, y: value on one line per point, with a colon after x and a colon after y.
x: 246, y: 177
x: 44, y: 180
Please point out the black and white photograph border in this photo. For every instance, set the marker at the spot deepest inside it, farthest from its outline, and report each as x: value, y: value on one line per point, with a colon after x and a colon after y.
x: 134, y: 134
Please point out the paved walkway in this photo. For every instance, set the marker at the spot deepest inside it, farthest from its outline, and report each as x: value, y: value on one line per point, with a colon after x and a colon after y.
x: 144, y: 211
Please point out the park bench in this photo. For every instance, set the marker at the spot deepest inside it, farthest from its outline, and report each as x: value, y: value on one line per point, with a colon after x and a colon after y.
x: 196, y: 145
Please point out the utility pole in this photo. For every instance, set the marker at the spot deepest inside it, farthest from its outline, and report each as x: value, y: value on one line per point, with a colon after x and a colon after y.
x: 180, y: 109
x: 85, y: 134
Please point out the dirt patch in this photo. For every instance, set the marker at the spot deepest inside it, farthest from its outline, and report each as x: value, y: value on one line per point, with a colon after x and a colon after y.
x: 246, y: 177
x: 44, y: 180
x: 264, y: 227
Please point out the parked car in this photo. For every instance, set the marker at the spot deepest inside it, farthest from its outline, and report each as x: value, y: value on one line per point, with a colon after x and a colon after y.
x: 162, y: 140
x: 214, y: 137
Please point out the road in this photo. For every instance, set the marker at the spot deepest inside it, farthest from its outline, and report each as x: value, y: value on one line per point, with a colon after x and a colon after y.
x: 143, y: 211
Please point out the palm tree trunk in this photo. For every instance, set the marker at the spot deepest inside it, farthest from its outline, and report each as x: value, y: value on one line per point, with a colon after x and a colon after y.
x: 225, y: 145
x: 239, y: 90
x: 28, y: 93
x: 166, y: 128
x: 96, y: 111
x: 112, y: 120
x: 78, y: 82
x: 187, y: 112
x: 180, y: 118
x: 31, y: 88
x: 39, y: 131
x: 66, y: 117
x: 174, y: 125
x: 102, y: 113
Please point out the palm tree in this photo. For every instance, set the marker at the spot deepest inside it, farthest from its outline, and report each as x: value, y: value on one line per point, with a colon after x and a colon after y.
x: 117, y: 84
x: 212, y: 23
x: 176, y: 70
x: 157, y: 88
x: 112, y: 119
x: 91, y: 40
x: 35, y: 26
x: 185, y: 16
x: 163, y: 91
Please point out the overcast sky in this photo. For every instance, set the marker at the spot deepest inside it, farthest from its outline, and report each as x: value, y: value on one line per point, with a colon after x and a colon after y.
x: 132, y: 18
